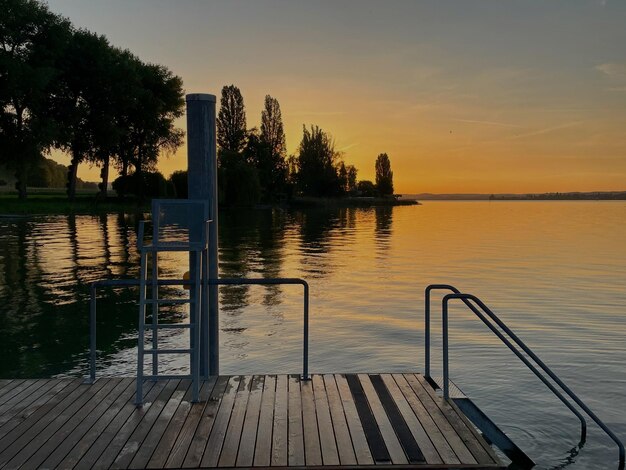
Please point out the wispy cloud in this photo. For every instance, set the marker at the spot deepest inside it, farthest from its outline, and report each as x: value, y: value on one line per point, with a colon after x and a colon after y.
x: 612, y: 69
x: 487, y: 123
x: 547, y: 130
x: 317, y: 113
x: 347, y: 147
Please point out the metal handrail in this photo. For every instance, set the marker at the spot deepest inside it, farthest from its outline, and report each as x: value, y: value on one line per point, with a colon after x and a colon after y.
x: 178, y: 282
x: 467, y: 299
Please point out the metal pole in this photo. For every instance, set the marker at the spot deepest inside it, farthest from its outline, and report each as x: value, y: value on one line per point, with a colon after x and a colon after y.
x: 427, y: 334
x: 305, y: 346
x: 92, y: 334
x: 202, y: 184
x: 446, y: 378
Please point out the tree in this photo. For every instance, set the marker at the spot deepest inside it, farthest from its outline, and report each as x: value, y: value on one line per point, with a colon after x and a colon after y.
x: 84, y: 107
x: 342, y: 175
x: 272, y: 132
x: 31, y: 40
x: 231, y: 120
x: 317, y: 173
x: 352, y: 171
x: 384, y: 175
x: 147, y: 122
x: 271, y: 150
x: 238, y: 180
x: 366, y: 188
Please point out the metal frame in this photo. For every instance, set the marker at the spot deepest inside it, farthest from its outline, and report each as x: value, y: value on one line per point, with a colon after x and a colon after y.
x: 467, y: 299
x: 179, y: 282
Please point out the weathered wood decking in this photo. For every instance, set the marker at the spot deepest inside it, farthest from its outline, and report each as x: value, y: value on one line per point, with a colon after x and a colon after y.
x: 333, y: 420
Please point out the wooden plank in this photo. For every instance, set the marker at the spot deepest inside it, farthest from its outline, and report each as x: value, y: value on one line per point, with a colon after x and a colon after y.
x: 295, y: 440
x: 218, y: 432
x: 411, y: 449
x: 21, y: 395
x: 330, y: 454
x: 374, y: 437
x: 4, y: 383
x: 175, y: 426
x: 478, y: 451
x: 280, y: 439
x: 339, y: 424
x: 455, y: 441
x: 10, y: 387
x: 263, y: 445
x: 444, y: 449
x: 391, y: 440
x: 95, y: 406
x: 149, y: 444
x: 42, y: 428
x: 475, y: 432
x: 122, y: 404
x: 103, y: 452
x: 136, y: 438
x: 245, y: 454
x: 228, y: 457
x: 419, y: 434
x: 18, y: 424
x: 312, y: 448
x: 359, y: 441
x: 194, y: 434
x: 11, y: 408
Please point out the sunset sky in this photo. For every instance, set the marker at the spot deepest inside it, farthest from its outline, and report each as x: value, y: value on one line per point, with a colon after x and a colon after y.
x: 464, y: 96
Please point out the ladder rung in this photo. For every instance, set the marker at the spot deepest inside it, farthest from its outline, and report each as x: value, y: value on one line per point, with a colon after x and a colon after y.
x: 168, y: 301
x: 167, y: 351
x: 170, y: 326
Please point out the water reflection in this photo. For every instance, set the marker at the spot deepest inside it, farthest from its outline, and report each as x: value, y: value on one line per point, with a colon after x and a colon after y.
x: 367, y: 269
x: 384, y: 221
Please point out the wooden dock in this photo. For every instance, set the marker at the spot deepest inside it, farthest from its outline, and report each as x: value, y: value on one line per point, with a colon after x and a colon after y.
x: 331, y: 421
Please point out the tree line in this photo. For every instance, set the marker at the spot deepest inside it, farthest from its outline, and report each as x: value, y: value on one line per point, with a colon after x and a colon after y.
x: 253, y: 164
x: 69, y: 89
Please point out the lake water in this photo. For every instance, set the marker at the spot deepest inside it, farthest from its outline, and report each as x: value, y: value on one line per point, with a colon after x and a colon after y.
x: 555, y: 272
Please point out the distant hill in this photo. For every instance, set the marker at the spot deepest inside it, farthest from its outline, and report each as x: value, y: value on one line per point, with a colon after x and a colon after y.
x: 47, y: 174
x: 569, y: 196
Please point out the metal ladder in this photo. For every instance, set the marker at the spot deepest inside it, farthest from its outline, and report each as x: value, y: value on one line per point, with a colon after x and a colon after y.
x: 519, y: 348
x: 178, y: 226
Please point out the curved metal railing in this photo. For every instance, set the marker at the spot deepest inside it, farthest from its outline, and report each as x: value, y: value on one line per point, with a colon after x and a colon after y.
x: 471, y: 301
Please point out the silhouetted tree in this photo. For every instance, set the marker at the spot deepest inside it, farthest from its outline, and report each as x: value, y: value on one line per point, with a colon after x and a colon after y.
x: 272, y: 132
x: 83, y: 107
x: 31, y: 41
x: 179, y: 181
x: 366, y: 188
x: 352, y: 171
x: 231, y: 120
x: 342, y: 175
x: 384, y: 175
x: 317, y: 173
x: 147, y: 125
x: 238, y: 180
x: 270, y: 160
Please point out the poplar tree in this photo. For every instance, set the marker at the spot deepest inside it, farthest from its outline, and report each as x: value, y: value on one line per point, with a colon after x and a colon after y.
x: 384, y: 175
x: 231, y: 120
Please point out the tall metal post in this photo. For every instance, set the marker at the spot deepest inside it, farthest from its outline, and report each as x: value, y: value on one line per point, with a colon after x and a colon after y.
x: 202, y: 184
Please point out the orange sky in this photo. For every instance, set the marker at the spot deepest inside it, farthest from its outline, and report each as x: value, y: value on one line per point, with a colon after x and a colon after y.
x: 464, y: 97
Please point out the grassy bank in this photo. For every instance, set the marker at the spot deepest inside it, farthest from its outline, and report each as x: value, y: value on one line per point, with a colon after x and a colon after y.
x: 56, y: 202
